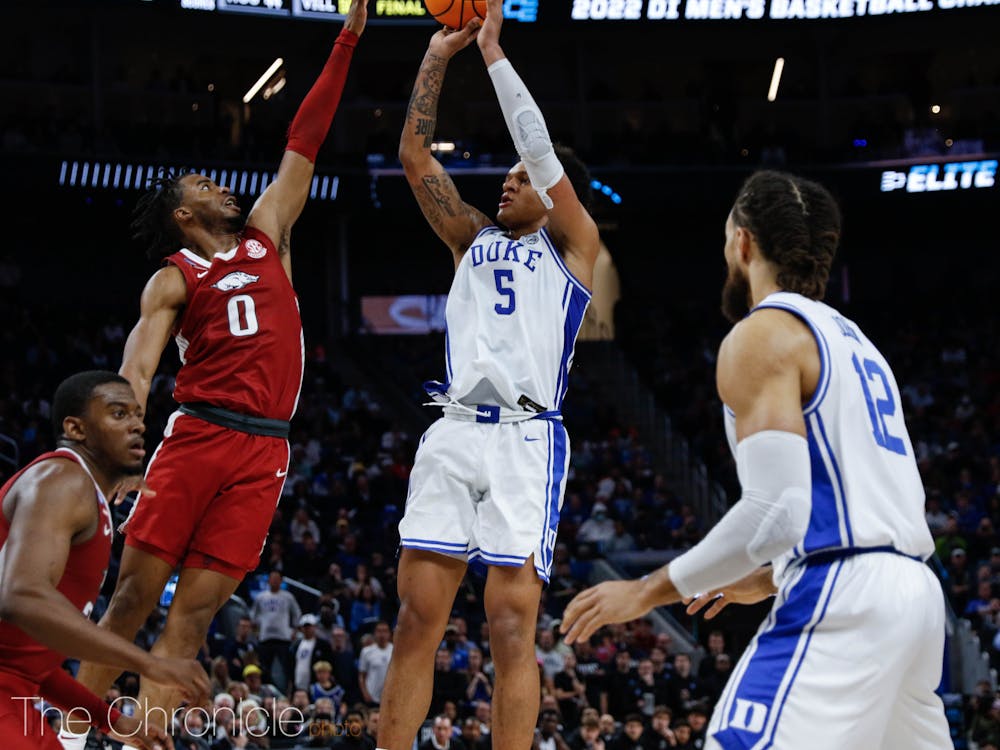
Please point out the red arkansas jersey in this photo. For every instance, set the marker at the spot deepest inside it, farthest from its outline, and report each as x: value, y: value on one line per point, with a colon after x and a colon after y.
x: 80, y: 583
x: 240, y: 334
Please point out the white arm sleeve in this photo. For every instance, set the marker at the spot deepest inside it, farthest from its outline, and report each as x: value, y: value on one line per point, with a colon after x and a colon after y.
x: 527, y: 128
x: 770, y: 518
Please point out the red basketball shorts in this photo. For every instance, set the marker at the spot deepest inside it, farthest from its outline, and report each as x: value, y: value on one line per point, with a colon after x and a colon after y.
x: 216, y: 492
x: 21, y: 726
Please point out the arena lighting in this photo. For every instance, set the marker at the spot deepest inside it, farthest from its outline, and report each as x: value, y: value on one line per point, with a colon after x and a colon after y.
x: 443, y: 147
x: 779, y: 65
x: 603, y: 189
x: 935, y: 109
x: 262, y: 80
x: 118, y: 175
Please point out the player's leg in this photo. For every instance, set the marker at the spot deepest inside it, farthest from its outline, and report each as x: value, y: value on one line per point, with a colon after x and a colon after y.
x: 199, y: 595
x: 435, y: 536
x: 229, y: 533
x: 918, y: 721
x: 511, y: 602
x: 141, y: 578
x: 427, y: 582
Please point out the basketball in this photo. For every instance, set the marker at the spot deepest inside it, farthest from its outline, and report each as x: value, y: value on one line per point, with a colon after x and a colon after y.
x: 455, y: 14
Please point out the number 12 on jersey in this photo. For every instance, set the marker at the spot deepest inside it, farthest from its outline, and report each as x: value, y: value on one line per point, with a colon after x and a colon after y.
x: 869, y: 371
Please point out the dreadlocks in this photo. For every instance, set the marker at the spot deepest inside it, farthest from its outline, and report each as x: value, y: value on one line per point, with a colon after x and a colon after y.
x: 153, y: 223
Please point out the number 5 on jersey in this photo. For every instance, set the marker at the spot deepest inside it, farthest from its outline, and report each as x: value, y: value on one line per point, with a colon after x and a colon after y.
x: 500, y: 276
x: 242, y: 315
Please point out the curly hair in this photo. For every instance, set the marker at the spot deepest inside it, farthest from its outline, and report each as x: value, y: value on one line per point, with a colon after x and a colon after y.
x: 796, y: 223
x: 153, y: 222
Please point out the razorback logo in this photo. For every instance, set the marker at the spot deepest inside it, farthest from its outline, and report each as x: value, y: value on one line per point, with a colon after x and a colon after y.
x: 234, y: 280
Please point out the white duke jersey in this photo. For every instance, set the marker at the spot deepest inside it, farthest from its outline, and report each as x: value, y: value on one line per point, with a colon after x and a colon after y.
x: 866, y: 490
x: 513, y: 314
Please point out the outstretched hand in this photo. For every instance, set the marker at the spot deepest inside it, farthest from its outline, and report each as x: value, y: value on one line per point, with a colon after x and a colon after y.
x: 489, y: 35
x: 605, y: 603
x: 446, y: 42
x: 750, y: 589
x: 357, y: 16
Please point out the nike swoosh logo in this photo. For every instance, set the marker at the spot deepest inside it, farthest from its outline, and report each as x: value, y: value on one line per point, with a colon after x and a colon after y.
x: 531, y: 440
x: 279, y: 473
x: 107, y: 531
x: 202, y: 275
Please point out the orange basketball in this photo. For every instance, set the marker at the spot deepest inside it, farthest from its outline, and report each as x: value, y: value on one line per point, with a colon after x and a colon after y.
x: 455, y: 14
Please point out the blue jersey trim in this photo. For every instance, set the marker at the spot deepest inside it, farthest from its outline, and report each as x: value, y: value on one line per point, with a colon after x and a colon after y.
x: 554, y: 489
x: 463, y: 546
x: 571, y: 329
x: 802, y: 656
x: 840, y: 481
x: 775, y: 657
x: 824, y: 353
x: 824, y: 516
x: 562, y: 263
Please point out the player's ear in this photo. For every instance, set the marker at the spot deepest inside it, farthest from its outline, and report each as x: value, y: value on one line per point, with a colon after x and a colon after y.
x: 744, y: 244
x: 73, y: 428
x: 182, y: 214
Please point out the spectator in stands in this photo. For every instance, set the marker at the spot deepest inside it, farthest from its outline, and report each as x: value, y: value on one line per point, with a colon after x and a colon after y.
x: 686, y: 689
x: 660, y: 736
x: 622, y: 684
x: 936, y: 518
x: 950, y: 538
x: 609, y: 728
x: 256, y: 688
x: 366, y: 610
x: 329, y: 618
x: 303, y: 523
x: 593, y: 673
x: 480, y: 687
x: 274, y: 613
x: 650, y: 690
x: 325, y: 686
x: 620, y: 541
x: 345, y: 667
x: 598, y: 528
x: 682, y: 731
x: 457, y: 646
x: 958, y: 584
x: 484, y: 715
x: 630, y: 738
x: 570, y: 691
x: 363, y: 577
x: 590, y: 735
x: 715, y: 645
x: 306, y: 651
x: 449, y: 685
x: 698, y: 720
x: 472, y: 735
x: 374, y: 663
x: 322, y: 726
x: 353, y: 735
x: 441, y: 737
x: 547, y: 655
x: 715, y: 680
x: 548, y: 736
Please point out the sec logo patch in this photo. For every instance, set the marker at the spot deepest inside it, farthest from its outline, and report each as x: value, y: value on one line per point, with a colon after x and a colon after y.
x: 255, y: 249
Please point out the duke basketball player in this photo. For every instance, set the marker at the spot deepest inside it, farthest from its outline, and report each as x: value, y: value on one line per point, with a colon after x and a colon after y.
x: 852, y: 650
x: 488, y: 480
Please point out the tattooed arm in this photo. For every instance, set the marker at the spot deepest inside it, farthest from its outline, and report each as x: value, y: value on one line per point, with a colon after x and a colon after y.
x: 454, y: 221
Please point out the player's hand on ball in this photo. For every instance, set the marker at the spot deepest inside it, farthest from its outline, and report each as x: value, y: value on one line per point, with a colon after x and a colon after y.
x: 490, y: 33
x: 133, y: 732
x: 357, y: 16
x: 446, y: 42
x: 608, y: 602
x: 750, y: 589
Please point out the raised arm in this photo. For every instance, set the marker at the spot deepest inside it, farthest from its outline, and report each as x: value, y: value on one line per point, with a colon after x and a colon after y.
x: 454, y: 221
x: 571, y: 226
x: 162, y: 300
x: 279, y: 207
x: 765, y: 365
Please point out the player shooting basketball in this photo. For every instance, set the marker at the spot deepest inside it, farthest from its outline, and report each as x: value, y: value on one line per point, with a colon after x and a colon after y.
x: 489, y: 476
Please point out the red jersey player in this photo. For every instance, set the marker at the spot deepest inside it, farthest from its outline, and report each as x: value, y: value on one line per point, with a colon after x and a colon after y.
x: 55, y: 539
x: 227, y: 299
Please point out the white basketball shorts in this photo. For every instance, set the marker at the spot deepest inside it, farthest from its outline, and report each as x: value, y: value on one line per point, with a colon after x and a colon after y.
x: 488, y: 492
x: 848, y: 659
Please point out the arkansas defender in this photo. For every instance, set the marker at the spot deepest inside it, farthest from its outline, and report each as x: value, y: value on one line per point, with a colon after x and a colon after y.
x: 55, y: 539
x: 225, y: 295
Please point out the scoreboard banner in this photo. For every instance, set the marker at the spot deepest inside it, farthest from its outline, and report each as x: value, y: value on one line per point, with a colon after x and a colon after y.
x: 391, y: 11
